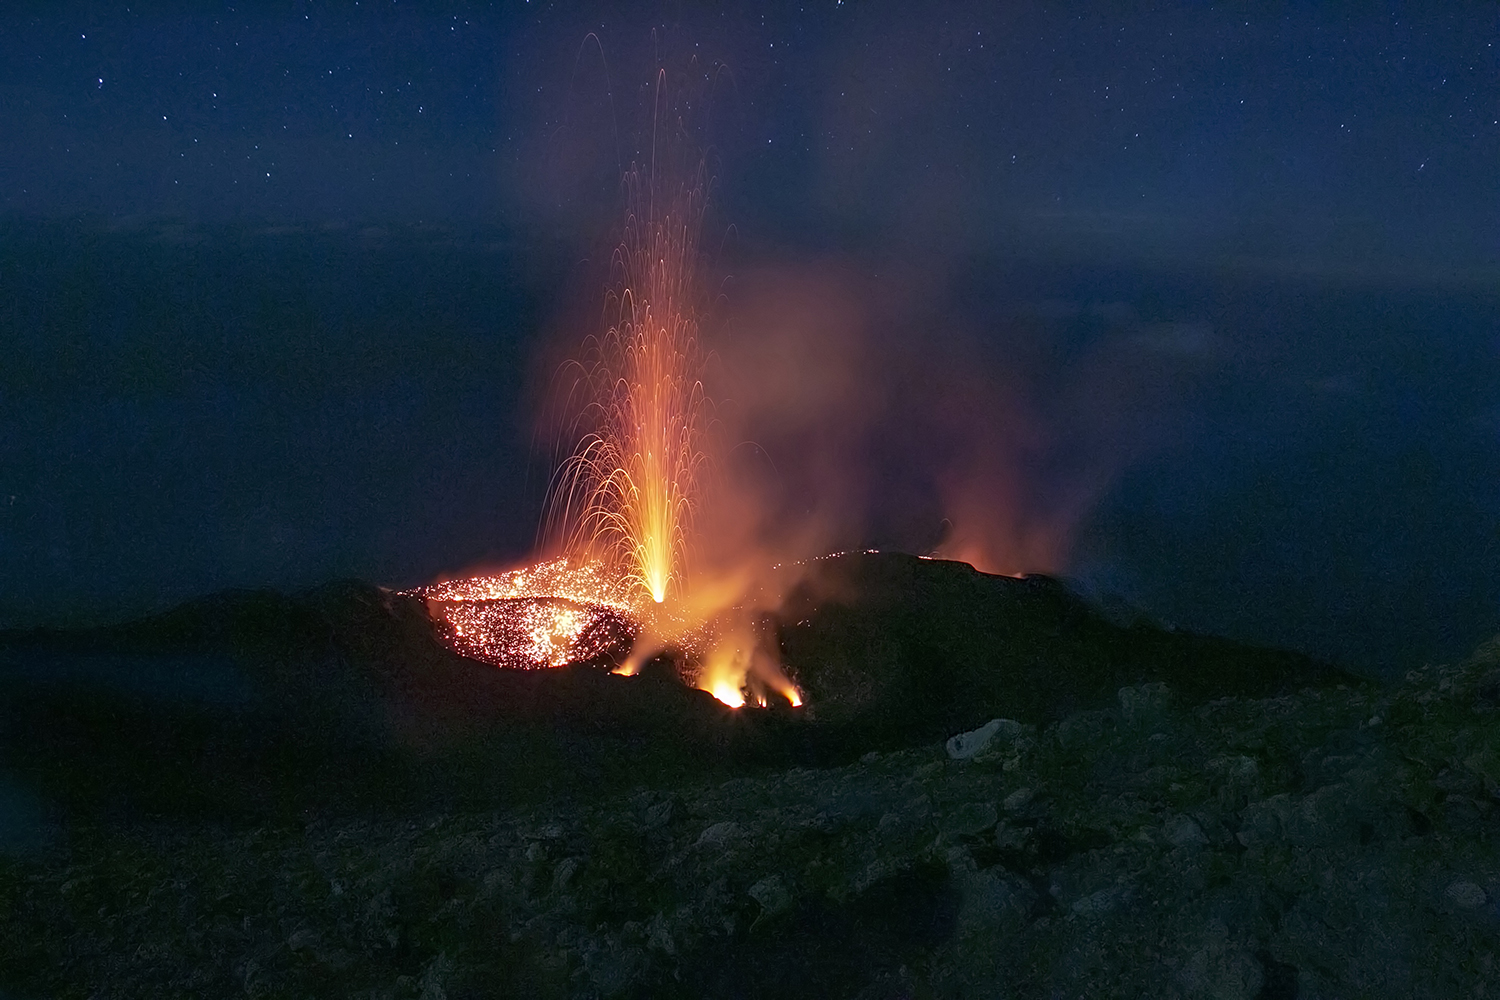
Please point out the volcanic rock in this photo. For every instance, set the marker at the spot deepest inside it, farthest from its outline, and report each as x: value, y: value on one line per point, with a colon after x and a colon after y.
x: 1183, y: 831
x: 1273, y: 846
x: 966, y: 745
x: 312, y: 794
x: 909, y: 649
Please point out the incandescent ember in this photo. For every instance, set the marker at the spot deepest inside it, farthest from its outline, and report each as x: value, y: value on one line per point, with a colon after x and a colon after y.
x: 551, y: 614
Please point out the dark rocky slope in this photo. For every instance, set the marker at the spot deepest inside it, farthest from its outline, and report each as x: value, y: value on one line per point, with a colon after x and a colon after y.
x: 1337, y: 842
x: 253, y: 704
x: 906, y: 649
x: 310, y: 795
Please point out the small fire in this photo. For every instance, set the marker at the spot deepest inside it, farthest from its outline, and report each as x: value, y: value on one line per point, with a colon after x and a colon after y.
x: 741, y: 662
x: 725, y: 691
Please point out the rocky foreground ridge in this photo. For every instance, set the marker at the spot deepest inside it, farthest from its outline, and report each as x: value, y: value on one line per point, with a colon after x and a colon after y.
x: 1329, y: 842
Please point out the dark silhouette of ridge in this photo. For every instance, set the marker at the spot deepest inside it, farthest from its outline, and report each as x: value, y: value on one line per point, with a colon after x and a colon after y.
x: 253, y: 703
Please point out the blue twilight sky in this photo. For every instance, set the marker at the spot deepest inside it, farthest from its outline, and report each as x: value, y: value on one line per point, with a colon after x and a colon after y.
x: 1207, y: 296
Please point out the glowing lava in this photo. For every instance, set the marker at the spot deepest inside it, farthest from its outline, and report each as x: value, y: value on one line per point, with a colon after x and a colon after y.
x: 738, y: 663
x: 586, y: 583
x: 547, y: 615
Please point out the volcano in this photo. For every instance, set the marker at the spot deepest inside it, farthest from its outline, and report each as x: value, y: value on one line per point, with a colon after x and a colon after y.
x: 354, y: 696
x: 320, y: 793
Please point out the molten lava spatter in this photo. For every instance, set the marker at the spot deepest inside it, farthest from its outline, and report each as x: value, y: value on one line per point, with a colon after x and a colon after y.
x: 548, y: 615
x: 583, y: 582
x: 627, y: 495
x: 532, y: 633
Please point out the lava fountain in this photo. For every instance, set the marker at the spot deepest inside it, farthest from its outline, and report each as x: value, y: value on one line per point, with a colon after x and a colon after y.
x: 622, y: 506
x: 626, y: 497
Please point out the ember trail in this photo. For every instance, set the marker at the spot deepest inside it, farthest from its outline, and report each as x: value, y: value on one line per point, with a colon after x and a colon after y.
x: 626, y: 497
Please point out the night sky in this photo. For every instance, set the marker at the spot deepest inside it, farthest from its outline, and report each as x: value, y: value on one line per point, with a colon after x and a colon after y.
x: 1200, y: 307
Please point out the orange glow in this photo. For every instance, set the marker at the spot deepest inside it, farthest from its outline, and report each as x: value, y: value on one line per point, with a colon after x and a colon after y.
x: 532, y: 633
x: 585, y: 582
x: 726, y: 692
x: 739, y: 661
